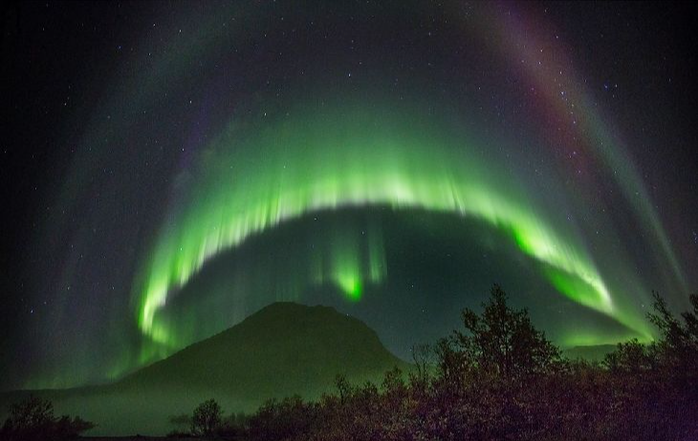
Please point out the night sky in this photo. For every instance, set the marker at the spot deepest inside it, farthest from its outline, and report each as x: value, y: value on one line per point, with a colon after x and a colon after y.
x: 168, y: 169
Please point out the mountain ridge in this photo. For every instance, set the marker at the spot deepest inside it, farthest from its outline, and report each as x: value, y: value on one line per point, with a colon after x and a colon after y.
x: 297, y: 349
x: 283, y: 349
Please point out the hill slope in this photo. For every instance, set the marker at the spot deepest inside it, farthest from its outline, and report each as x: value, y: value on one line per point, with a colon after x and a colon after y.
x: 283, y: 349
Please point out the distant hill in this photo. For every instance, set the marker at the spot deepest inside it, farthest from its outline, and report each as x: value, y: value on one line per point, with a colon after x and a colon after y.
x: 281, y: 350
x: 589, y: 353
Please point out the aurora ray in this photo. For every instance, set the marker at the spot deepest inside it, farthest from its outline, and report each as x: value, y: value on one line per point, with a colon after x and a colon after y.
x: 326, y: 159
x: 388, y: 159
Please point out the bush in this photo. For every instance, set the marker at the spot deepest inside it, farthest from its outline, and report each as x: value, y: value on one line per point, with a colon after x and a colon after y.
x: 500, y: 378
x: 33, y: 419
x: 206, y: 419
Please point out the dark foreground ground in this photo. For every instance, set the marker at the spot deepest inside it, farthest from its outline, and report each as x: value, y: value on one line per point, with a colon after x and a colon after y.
x: 138, y: 438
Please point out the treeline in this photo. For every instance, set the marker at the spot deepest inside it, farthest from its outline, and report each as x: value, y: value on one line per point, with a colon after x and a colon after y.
x: 499, y: 378
x: 34, y: 420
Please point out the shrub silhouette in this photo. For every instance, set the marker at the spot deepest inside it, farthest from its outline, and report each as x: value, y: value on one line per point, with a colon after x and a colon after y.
x: 207, y: 418
x: 33, y: 419
x: 499, y: 378
x: 181, y: 425
x: 501, y: 341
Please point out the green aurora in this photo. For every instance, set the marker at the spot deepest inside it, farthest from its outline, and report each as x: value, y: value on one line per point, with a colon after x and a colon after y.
x: 252, y: 179
x: 233, y: 155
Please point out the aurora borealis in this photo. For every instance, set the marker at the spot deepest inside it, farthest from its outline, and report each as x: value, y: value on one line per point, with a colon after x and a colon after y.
x: 390, y: 159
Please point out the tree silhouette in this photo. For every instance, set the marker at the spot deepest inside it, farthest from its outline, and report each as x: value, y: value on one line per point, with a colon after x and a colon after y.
x: 499, y: 378
x: 33, y: 419
x: 679, y: 341
x: 206, y: 419
x: 503, y: 341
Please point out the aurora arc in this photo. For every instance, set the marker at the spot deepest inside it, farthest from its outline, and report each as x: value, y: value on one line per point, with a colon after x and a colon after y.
x: 258, y: 175
x: 202, y: 167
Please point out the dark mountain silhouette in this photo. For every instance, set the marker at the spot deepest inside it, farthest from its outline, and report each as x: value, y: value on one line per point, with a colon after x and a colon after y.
x: 281, y: 350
